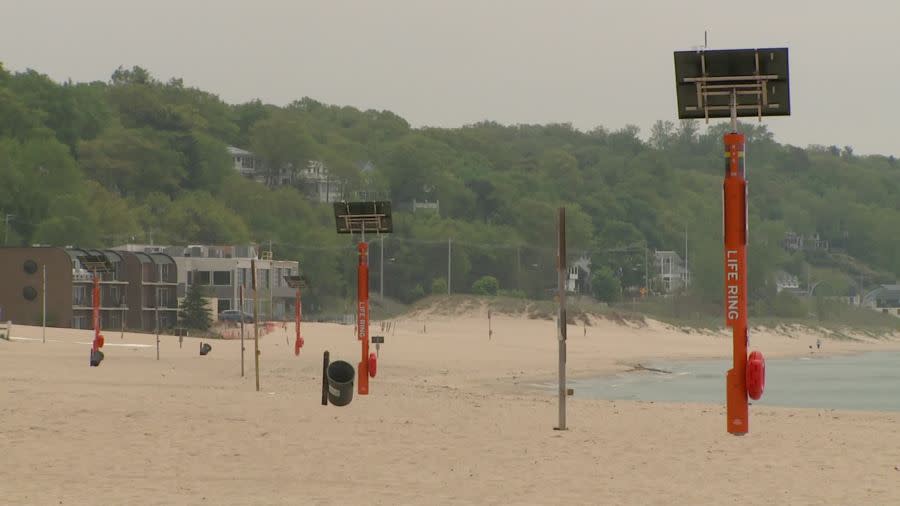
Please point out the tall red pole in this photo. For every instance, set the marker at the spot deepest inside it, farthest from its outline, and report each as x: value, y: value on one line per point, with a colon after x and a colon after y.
x: 362, y: 316
x: 735, y: 222
x: 95, y: 296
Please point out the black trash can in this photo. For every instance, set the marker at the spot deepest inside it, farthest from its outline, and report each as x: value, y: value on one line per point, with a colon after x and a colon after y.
x: 340, y: 383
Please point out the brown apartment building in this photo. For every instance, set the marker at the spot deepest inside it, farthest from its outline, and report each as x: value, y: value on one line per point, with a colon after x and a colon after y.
x: 130, y: 293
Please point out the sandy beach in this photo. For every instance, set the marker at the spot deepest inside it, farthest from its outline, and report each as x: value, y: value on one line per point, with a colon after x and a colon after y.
x: 452, y: 418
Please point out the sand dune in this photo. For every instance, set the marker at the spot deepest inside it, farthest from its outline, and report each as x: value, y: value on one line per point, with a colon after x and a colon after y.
x: 451, y: 419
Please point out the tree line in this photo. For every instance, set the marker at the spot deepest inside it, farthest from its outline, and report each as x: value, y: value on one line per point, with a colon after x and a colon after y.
x: 135, y: 159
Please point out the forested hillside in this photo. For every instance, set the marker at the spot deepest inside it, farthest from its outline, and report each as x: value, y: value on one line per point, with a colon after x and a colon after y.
x: 138, y: 160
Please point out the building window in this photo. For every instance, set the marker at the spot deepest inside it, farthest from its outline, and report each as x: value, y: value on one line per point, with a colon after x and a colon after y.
x: 224, y: 305
x: 222, y: 278
x: 79, y: 297
x: 165, y: 271
x: 79, y: 322
x: 247, y: 162
x: 202, y: 278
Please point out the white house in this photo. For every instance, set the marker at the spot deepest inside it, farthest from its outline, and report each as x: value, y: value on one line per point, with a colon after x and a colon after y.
x: 672, y: 273
x: 246, y: 163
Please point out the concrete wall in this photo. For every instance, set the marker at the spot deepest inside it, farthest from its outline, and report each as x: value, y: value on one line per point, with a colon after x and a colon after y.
x: 14, y: 279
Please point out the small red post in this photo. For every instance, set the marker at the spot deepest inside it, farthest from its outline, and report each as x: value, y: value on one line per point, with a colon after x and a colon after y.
x: 734, y: 191
x: 362, y: 317
x: 95, y: 296
x: 298, y: 312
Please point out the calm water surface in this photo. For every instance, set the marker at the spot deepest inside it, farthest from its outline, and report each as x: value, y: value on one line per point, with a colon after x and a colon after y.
x: 868, y: 381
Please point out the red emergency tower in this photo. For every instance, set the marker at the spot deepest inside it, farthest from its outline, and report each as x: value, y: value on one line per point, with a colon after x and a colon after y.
x: 729, y: 84
x: 373, y: 217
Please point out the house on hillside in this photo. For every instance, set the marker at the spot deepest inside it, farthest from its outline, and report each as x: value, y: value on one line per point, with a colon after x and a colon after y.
x: 246, y: 163
x: 673, y: 274
x: 318, y: 182
x: 885, y: 298
x: 799, y: 242
x: 578, y: 280
x: 787, y: 281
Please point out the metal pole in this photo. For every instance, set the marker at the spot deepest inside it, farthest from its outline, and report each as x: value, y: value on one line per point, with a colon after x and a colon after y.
x: 44, y: 305
x: 6, y: 229
x: 271, y: 279
x: 449, y: 272
x: 242, y: 328
x: 122, y: 331
x: 157, y: 323
x: 381, y: 271
x: 255, y: 323
x: 561, y: 317
x: 686, y: 272
x: 646, y: 272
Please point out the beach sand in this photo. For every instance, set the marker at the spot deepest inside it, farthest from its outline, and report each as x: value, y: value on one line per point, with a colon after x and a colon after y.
x: 453, y: 418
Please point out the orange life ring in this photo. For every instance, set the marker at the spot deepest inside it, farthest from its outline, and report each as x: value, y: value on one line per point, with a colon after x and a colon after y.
x: 756, y: 375
x: 373, y: 365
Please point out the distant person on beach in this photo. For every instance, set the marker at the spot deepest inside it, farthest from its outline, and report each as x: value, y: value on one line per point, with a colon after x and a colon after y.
x: 818, y: 344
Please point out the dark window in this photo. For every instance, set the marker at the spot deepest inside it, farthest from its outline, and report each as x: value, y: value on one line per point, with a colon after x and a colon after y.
x: 29, y: 293
x: 222, y: 278
x: 202, y: 278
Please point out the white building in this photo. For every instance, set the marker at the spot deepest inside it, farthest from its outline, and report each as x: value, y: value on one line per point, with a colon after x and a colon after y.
x: 672, y: 272
x: 320, y: 183
x: 246, y: 163
x: 223, y: 270
x: 786, y: 281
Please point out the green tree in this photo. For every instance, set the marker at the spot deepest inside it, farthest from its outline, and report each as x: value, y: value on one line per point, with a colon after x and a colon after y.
x: 438, y: 286
x: 605, y: 285
x: 486, y: 285
x: 193, y: 313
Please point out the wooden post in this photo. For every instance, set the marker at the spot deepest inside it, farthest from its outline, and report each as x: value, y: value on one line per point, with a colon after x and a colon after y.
x: 325, y: 361
x: 561, y: 326
x: 44, y: 306
x: 255, y: 323
x: 242, y: 328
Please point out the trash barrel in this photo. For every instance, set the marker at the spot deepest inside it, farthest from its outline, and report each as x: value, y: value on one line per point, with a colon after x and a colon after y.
x: 96, y: 358
x: 205, y: 348
x: 340, y: 383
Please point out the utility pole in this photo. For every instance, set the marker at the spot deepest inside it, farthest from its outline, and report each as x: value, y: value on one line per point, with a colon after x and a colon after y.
x: 518, y: 267
x: 157, y: 322
x: 646, y: 271
x: 449, y: 249
x: 243, y: 282
x: 255, y: 323
x: 6, y: 219
x: 686, y: 271
x: 271, y: 279
x: 381, y: 271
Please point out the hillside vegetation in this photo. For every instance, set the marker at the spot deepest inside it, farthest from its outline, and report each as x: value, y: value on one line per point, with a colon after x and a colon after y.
x: 134, y: 159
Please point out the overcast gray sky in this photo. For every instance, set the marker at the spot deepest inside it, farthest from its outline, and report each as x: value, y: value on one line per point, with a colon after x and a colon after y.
x: 448, y: 63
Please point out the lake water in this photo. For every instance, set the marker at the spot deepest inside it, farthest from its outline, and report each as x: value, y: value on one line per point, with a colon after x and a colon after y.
x: 869, y: 381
